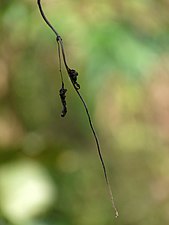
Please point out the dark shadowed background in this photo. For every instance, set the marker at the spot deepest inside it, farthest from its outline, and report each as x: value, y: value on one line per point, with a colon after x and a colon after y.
x: 50, y: 173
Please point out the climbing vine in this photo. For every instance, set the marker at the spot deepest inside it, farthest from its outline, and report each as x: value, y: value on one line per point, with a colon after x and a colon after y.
x: 73, y: 75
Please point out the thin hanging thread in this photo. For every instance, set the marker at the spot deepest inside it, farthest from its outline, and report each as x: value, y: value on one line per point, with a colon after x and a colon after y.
x: 100, y: 154
x: 73, y: 77
x: 60, y: 64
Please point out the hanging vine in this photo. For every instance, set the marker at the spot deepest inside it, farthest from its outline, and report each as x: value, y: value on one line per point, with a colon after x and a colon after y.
x: 73, y: 75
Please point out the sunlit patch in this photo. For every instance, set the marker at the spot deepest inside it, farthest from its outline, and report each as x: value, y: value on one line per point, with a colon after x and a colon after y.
x: 26, y: 190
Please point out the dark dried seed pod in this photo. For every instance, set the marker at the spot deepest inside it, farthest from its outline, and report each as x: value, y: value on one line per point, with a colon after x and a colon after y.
x: 73, y: 74
x: 62, y: 94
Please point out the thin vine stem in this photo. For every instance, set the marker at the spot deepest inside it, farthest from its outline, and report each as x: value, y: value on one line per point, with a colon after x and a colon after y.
x: 99, y: 152
x: 58, y: 37
x: 73, y: 78
x: 60, y: 64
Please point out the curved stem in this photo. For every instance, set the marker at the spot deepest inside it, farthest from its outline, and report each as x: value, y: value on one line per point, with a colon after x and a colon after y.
x: 63, y: 54
x: 99, y: 151
x: 58, y: 37
x: 45, y: 19
x: 73, y: 79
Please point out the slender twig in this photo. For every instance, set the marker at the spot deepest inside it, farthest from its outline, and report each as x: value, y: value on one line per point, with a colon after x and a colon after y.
x: 62, y: 91
x: 73, y: 77
x: 99, y: 152
x: 60, y: 64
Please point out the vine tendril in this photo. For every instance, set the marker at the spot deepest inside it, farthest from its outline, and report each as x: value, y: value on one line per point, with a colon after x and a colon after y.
x: 73, y: 74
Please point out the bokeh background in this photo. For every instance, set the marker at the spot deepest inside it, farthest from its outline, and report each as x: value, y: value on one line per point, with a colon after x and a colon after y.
x: 50, y: 173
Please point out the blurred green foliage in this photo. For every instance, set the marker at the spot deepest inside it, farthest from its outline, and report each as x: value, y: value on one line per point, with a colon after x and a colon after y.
x: 49, y: 170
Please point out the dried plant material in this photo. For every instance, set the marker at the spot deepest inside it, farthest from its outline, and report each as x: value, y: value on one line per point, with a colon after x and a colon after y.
x: 73, y: 78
